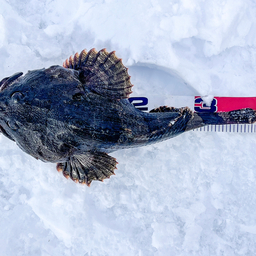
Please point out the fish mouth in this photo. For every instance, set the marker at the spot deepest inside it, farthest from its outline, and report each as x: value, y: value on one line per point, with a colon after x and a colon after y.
x: 8, y: 81
x: 2, y: 130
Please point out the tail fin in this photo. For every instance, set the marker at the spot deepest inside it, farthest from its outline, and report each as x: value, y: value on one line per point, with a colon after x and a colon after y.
x: 241, y: 116
x: 165, y: 122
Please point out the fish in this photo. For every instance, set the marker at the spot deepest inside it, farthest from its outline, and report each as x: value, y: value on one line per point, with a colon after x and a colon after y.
x: 76, y: 114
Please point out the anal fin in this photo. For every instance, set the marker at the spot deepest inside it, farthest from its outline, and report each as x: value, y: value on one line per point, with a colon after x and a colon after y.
x: 84, y: 168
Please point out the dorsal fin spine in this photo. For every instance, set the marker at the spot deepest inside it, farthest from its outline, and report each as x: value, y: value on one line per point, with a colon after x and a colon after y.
x: 71, y: 62
x: 76, y: 60
x: 82, y: 57
x: 89, y: 57
x: 101, y: 57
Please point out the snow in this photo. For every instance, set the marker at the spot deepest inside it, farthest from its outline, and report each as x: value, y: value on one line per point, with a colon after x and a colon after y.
x: 191, y: 195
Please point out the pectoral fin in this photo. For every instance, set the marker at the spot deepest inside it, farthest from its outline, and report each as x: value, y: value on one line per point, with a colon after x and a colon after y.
x: 84, y: 168
x: 102, y: 72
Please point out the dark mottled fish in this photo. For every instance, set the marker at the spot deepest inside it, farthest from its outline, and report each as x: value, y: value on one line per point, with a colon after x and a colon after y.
x: 76, y: 114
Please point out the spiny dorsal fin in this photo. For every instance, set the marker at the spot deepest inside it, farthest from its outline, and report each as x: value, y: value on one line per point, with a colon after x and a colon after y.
x: 102, y: 72
x: 84, y: 168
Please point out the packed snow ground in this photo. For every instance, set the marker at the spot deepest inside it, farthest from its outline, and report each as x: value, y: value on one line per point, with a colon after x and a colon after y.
x: 191, y: 195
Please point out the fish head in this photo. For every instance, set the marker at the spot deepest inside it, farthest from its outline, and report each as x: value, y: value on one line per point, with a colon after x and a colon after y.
x: 26, y: 99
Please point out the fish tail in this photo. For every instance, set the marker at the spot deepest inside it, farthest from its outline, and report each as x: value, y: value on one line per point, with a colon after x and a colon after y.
x: 240, y: 116
x: 167, y: 122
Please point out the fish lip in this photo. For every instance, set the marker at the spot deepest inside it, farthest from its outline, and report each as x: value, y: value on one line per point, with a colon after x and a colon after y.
x: 8, y: 81
x: 3, y: 131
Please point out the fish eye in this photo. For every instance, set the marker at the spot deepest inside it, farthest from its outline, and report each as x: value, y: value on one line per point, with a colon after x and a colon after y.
x: 17, y: 96
x: 77, y: 96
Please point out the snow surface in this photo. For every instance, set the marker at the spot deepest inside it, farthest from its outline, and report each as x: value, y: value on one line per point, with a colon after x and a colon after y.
x: 192, y: 195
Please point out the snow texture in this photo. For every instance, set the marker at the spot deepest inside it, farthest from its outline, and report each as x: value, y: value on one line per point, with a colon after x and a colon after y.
x: 191, y: 195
